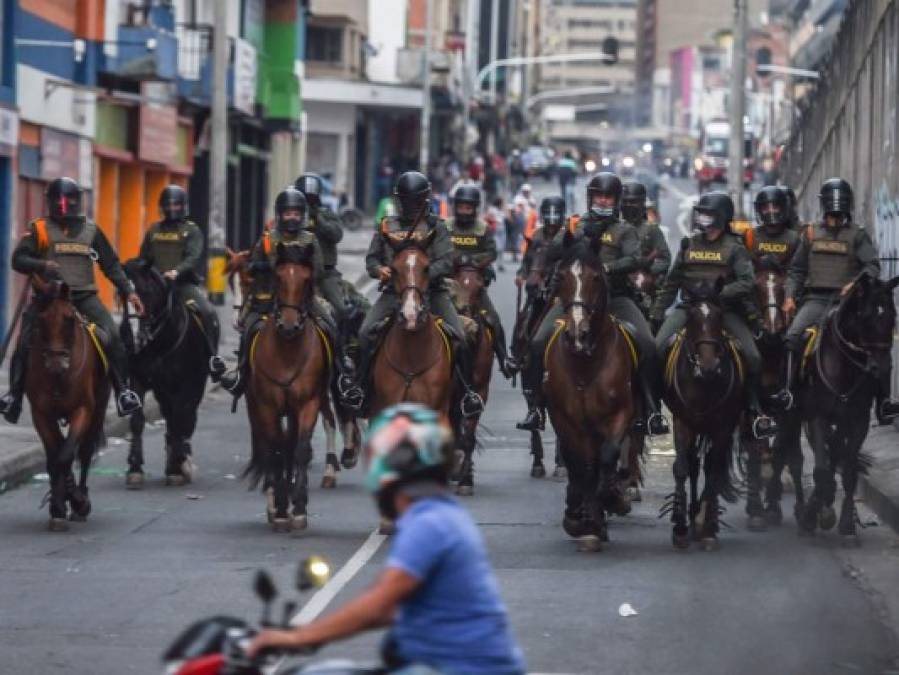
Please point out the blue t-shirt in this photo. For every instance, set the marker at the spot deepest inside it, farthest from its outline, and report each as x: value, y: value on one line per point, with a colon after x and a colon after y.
x: 456, y: 620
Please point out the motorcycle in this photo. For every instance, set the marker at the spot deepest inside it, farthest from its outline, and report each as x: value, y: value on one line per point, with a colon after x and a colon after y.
x: 217, y: 645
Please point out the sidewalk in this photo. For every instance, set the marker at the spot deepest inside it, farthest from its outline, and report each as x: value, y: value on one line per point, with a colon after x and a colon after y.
x: 21, y: 453
x: 880, y: 488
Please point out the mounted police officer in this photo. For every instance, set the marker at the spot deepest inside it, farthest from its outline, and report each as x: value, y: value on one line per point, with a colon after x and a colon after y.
x: 65, y: 247
x: 711, y: 254
x: 412, y: 195
x: 289, y: 230
x: 474, y: 245
x: 325, y: 225
x: 174, y: 246
x: 830, y: 256
x: 793, y: 207
x: 619, y: 251
x: 655, y: 256
x: 773, y: 241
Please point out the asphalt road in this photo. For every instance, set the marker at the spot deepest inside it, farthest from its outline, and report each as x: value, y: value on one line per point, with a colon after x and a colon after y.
x: 109, y: 595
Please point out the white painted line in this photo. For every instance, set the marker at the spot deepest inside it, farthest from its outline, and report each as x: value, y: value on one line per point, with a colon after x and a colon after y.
x: 323, y: 597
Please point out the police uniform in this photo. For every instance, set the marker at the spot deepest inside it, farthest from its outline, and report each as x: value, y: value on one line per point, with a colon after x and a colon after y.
x: 655, y: 256
x: 534, y: 258
x: 178, y: 246
x: 702, y: 260
x: 826, y: 260
x: 767, y: 248
x: 325, y: 225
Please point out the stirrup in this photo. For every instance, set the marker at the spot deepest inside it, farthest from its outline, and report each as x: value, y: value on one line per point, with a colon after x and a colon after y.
x: 217, y: 367
x: 10, y: 408
x: 127, y: 403
x: 785, y: 399
x: 351, y: 395
x: 887, y: 410
x: 230, y: 380
x: 533, y: 421
x: 763, y: 426
x: 657, y: 425
x: 472, y: 404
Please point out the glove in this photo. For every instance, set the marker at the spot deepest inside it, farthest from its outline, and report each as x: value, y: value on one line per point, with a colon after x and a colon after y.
x: 592, y: 229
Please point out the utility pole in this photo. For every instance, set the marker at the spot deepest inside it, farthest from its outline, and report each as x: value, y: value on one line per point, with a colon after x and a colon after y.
x: 737, y: 107
x: 218, y: 156
x: 472, y: 48
x: 425, y: 153
x: 494, y: 45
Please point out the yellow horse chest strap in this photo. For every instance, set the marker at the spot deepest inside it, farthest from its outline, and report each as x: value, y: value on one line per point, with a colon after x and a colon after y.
x: 92, y: 331
x: 445, y: 336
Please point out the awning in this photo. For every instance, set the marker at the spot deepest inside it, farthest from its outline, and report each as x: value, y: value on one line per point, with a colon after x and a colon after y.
x: 366, y: 94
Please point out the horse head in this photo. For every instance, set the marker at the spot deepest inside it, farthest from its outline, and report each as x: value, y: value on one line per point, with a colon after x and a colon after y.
x: 704, y: 340
x: 294, y: 272
x: 584, y: 294
x: 867, y: 317
x: 410, y: 281
x: 769, y: 293
x: 154, y: 289
x: 470, y: 285
x: 55, y: 324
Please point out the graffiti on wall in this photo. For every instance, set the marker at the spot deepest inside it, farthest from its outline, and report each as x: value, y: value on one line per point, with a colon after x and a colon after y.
x: 886, y: 223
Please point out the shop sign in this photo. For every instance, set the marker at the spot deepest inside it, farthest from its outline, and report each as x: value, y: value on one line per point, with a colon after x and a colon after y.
x: 60, y: 154
x: 244, y: 76
x: 158, y: 134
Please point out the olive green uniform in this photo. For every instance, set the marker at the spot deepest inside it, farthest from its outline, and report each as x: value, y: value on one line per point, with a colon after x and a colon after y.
x: 74, y: 249
x: 701, y: 260
x: 178, y: 246
x: 325, y: 225
x: 655, y: 257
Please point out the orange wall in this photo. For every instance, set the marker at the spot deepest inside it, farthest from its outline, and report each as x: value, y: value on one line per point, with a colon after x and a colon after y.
x: 62, y: 13
x: 106, y: 212
x: 156, y: 181
x: 131, y: 209
x: 89, y: 20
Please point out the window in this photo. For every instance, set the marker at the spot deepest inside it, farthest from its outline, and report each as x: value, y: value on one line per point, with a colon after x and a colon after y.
x: 324, y: 45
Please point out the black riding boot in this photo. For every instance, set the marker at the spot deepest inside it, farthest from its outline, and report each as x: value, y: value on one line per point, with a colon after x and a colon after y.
x: 887, y: 409
x: 11, y: 403
x: 531, y: 382
x: 348, y: 388
x: 127, y: 402
x: 654, y: 423
x: 211, y: 328
x: 472, y: 404
x: 501, y: 350
x: 234, y: 381
x: 785, y: 398
x: 763, y: 426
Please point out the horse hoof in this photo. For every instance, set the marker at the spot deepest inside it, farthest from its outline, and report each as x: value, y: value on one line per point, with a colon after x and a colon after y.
x: 560, y: 473
x: 386, y: 526
x: 680, y: 540
x: 573, y: 527
x: 270, y: 510
x: 281, y: 524
x: 827, y: 518
x: 134, y: 480
x: 589, y: 543
x: 850, y: 541
x: 329, y: 482
x: 77, y: 517
x: 80, y: 511
x: 633, y: 494
x: 538, y: 471
x: 348, y: 458
x: 709, y: 543
x: 187, y: 470
x: 465, y: 490
x: 175, y: 480
x: 756, y: 524
x: 58, y: 525
x: 299, y: 522
x: 774, y: 517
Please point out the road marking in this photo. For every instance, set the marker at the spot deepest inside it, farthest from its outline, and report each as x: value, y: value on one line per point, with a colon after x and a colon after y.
x: 323, y: 597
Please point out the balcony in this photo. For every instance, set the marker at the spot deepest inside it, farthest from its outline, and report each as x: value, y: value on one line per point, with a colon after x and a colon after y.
x: 146, y: 44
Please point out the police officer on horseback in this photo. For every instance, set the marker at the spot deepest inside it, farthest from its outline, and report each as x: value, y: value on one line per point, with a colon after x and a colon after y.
x: 174, y: 246
x: 831, y: 255
x: 412, y: 195
x: 602, y: 229
x: 325, y: 225
x: 289, y: 230
x: 711, y: 254
x: 773, y: 241
x: 474, y: 245
x: 655, y: 256
x: 64, y: 247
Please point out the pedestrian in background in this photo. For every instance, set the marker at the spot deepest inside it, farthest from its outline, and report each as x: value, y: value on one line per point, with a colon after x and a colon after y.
x: 496, y: 221
x: 517, y: 171
x: 567, y: 173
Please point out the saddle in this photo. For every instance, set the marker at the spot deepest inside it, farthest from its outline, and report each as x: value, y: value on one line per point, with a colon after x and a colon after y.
x: 674, y: 349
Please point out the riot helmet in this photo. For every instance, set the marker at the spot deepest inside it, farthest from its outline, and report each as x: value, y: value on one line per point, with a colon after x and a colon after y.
x: 633, y: 202
x: 289, y: 201
x: 604, y: 184
x: 772, y: 208
x: 310, y: 184
x: 714, y: 211
x: 836, y: 199
x: 173, y: 203
x: 470, y: 196
x: 552, y: 213
x: 412, y: 196
x: 64, y: 199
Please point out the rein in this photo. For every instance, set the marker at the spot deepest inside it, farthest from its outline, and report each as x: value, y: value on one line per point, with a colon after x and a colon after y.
x: 67, y: 353
x: 847, y: 350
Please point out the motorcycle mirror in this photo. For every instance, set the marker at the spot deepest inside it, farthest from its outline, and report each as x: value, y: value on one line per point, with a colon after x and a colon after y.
x: 264, y: 587
x: 289, y: 608
x: 314, y: 572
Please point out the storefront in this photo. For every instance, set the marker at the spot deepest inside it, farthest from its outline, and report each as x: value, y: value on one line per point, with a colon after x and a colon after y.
x: 9, y: 140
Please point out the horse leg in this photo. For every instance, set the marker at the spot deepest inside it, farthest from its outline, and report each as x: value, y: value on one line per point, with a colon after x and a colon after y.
x: 350, y: 431
x: 179, y: 465
x: 332, y: 466
x: 809, y: 513
x: 468, y: 441
x: 755, y: 509
x: 561, y: 470
x: 302, y: 456
x: 52, y: 440
x: 134, y: 479
x: 538, y: 470
x: 795, y: 461
x: 611, y: 494
x: 593, y: 522
x: 680, y: 532
x: 851, y: 465
x: 636, y: 448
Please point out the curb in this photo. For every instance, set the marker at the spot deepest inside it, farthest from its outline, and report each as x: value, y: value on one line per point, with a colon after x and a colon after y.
x: 880, y: 486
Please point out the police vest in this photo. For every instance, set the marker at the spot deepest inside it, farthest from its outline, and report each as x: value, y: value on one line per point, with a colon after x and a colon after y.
x: 73, y: 253
x: 610, y: 239
x: 468, y: 240
x: 271, y: 239
x: 780, y: 246
x: 168, y: 245
x: 708, y: 260
x: 831, y: 260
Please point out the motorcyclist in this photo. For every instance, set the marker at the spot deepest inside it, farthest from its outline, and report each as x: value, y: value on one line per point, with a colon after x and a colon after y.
x: 174, y: 246
x: 438, y: 593
x: 713, y: 253
x: 65, y: 246
x: 831, y: 254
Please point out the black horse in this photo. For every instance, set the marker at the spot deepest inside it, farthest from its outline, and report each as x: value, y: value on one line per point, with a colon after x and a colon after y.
x: 837, y: 392
x: 168, y: 357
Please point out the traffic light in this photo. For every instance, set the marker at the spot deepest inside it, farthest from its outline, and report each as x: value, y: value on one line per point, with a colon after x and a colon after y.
x: 610, y: 50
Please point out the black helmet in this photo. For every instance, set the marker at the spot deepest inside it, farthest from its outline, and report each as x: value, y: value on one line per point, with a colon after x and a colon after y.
x: 836, y: 197
x: 552, y: 212
x: 604, y: 183
x: 412, y: 195
x: 466, y: 194
x: 772, y: 196
x: 715, y: 210
x: 310, y: 184
x: 792, y: 204
x: 173, y: 203
x: 290, y: 199
x: 63, y: 199
x: 633, y: 201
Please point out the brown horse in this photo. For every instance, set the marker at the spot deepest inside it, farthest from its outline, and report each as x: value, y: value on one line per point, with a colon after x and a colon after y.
x: 66, y: 385
x: 288, y: 383
x: 589, y: 397
x: 414, y: 361
x: 470, y: 286
x: 703, y: 390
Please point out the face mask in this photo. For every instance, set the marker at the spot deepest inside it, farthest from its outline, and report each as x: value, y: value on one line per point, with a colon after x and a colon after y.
x: 703, y: 221
x: 603, y: 212
x: 291, y: 224
x: 632, y: 212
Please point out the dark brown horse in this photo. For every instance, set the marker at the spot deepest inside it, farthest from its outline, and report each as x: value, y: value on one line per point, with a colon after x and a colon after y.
x: 785, y: 449
x: 589, y: 398
x: 414, y: 361
x: 66, y: 386
x: 288, y: 382
x: 469, y: 289
x: 703, y: 390
x: 854, y: 344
